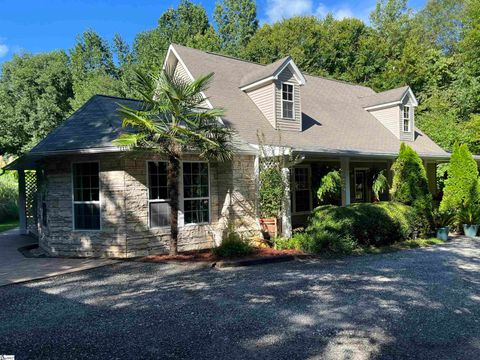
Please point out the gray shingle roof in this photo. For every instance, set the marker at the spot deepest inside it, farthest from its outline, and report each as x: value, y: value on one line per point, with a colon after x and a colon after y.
x: 95, y: 125
x: 332, y: 111
x: 384, y: 97
x: 263, y: 72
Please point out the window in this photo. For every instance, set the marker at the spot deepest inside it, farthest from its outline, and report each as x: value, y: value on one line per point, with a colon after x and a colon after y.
x: 302, y: 199
x: 287, y: 101
x: 86, y: 196
x: 406, y: 118
x: 158, y: 197
x: 196, y: 193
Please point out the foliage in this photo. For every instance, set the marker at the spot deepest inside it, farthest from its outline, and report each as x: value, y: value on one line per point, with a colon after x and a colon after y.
x: 8, y: 197
x: 173, y: 120
x: 469, y: 215
x: 271, y: 192
x: 410, y: 187
x: 443, y: 218
x: 237, y: 22
x: 233, y: 245
x: 342, y: 228
x: 380, y: 184
x: 34, y: 98
x: 330, y: 186
x: 11, y: 224
x: 462, y: 183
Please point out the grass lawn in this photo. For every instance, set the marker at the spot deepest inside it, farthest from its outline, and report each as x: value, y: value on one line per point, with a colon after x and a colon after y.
x: 401, y: 245
x: 12, y: 224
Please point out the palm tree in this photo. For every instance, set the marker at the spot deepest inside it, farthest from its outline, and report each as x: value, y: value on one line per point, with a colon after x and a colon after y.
x: 172, y: 120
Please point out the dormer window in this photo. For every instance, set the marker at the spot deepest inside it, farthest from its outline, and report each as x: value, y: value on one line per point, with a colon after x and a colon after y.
x: 406, y: 118
x: 287, y: 101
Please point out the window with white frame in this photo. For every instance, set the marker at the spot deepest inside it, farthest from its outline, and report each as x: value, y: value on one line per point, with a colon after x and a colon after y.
x: 86, y: 196
x: 301, y: 190
x: 406, y: 118
x: 196, y: 193
x: 287, y: 101
x: 158, y: 197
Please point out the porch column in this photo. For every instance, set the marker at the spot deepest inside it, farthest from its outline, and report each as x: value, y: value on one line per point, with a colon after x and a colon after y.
x: 345, y: 166
x: 22, y: 202
x: 286, y: 205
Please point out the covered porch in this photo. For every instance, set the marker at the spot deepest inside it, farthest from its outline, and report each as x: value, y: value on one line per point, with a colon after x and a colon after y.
x: 358, y: 174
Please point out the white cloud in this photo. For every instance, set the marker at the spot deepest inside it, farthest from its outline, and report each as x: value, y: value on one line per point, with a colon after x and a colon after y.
x: 284, y: 9
x: 338, y: 13
x: 3, y: 50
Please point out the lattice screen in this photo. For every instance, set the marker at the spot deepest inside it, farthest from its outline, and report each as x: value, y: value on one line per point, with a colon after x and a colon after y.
x: 31, y: 200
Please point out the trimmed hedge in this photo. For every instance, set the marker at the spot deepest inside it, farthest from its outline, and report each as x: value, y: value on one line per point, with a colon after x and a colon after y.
x: 341, y: 229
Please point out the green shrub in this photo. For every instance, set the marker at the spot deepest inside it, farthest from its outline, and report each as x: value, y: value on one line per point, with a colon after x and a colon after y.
x: 8, y: 197
x: 461, y: 185
x: 233, y: 245
x: 380, y: 185
x: 469, y: 215
x: 330, y: 187
x: 443, y: 219
x: 340, y: 229
x: 410, y: 187
x: 271, y: 192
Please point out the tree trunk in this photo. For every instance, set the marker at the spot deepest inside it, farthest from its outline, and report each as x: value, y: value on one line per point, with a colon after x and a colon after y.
x: 173, y: 183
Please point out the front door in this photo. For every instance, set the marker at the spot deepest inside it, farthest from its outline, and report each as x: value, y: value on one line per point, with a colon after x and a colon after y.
x: 360, y: 185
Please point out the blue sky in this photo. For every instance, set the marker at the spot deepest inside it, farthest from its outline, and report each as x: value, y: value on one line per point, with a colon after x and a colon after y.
x: 36, y: 26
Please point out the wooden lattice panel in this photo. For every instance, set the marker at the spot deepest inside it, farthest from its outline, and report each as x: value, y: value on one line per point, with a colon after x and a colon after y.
x: 31, y: 200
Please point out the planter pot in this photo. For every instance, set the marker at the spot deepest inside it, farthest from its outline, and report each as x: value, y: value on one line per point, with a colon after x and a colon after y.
x: 442, y: 233
x: 470, y: 230
x: 269, y: 228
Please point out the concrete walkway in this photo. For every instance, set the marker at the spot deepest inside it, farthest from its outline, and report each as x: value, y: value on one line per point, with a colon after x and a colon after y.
x: 14, y: 267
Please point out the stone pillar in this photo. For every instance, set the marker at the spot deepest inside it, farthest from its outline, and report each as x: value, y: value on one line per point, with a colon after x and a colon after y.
x: 22, y: 202
x: 286, y: 205
x: 345, y: 166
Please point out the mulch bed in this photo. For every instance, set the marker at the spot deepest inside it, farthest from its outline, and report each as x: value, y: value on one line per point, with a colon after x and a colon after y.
x: 208, y: 256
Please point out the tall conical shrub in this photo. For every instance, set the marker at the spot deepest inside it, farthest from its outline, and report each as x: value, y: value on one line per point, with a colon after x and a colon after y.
x: 410, y: 186
x: 462, y: 183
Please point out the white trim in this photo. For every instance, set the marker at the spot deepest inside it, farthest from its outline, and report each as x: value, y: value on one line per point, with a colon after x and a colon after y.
x: 257, y: 84
x: 293, y: 189
x: 181, y: 217
x: 412, y: 97
x: 171, y: 48
x: 381, y: 106
x: 154, y: 200
x: 296, y: 71
x: 292, y: 101
x: 409, y: 118
x: 100, y: 197
x: 364, y: 170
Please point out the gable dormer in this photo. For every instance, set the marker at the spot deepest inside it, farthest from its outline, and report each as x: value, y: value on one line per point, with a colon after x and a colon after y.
x: 275, y: 90
x: 395, y: 109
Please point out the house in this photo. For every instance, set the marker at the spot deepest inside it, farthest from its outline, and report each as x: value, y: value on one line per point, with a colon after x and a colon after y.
x: 88, y: 198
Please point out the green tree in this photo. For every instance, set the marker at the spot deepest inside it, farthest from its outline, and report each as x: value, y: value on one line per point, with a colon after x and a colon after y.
x: 34, y: 98
x: 461, y: 186
x: 237, y: 23
x: 410, y: 186
x: 93, y: 69
x: 174, y: 120
x: 186, y: 25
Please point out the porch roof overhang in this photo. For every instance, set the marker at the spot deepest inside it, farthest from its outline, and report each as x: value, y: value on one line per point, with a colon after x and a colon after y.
x: 342, y: 153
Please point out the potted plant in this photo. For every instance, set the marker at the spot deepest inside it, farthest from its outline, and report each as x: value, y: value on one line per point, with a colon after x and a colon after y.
x: 442, y: 221
x: 469, y: 217
x: 271, y: 196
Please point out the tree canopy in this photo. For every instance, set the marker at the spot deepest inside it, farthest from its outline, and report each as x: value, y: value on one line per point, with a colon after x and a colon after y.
x: 434, y: 50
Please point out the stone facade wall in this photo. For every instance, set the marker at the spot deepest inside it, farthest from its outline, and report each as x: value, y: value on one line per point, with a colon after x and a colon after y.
x: 124, y: 208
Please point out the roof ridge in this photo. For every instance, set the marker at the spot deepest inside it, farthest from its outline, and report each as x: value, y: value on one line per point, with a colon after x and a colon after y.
x: 384, y: 91
x: 117, y: 97
x: 264, y: 65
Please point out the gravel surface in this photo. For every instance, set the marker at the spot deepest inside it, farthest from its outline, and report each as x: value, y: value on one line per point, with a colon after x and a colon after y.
x: 421, y: 304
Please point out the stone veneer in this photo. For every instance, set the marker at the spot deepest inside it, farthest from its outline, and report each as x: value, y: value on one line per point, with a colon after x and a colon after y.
x: 124, y: 207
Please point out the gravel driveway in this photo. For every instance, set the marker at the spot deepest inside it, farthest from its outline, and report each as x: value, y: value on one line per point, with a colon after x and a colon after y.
x: 410, y: 304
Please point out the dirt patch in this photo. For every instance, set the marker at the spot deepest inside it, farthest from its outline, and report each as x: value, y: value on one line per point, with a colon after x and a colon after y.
x: 207, y: 255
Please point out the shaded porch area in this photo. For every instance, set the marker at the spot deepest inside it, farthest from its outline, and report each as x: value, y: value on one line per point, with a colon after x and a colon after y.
x: 358, y: 175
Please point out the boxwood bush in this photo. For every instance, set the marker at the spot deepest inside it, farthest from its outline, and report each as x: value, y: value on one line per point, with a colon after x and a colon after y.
x: 340, y: 229
x: 8, y: 197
